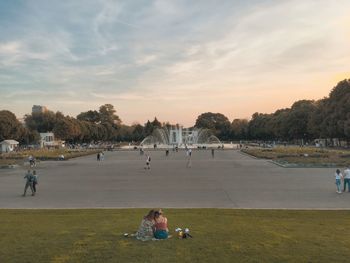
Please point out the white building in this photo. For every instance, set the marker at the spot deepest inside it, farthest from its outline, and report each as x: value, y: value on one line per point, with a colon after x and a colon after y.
x: 8, y: 145
x: 47, y: 139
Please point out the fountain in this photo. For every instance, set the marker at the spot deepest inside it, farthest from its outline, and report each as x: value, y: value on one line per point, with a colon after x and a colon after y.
x: 181, y: 137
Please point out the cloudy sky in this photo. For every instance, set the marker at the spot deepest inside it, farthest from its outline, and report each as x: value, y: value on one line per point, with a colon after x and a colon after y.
x: 171, y: 59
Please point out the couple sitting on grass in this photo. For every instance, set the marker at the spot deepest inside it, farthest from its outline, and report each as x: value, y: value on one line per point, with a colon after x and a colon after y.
x: 153, y: 226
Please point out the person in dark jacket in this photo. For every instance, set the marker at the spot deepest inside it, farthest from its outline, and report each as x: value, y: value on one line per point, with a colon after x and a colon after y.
x: 29, y: 182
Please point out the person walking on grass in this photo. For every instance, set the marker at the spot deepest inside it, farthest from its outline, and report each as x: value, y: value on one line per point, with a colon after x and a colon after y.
x: 347, y: 178
x: 338, y: 178
x: 29, y: 183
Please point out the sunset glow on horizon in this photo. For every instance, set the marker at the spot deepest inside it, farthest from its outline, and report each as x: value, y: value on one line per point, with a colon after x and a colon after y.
x: 171, y: 59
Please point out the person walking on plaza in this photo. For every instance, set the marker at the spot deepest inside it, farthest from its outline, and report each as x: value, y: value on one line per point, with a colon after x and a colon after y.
x: 212, y: 153
x: 338, y: 178
x: 32, y: 161
x: 29, y: 182
x: 347, y: 178
x: 148, y: 162
x: 189, y: 160
x: 35, y: 180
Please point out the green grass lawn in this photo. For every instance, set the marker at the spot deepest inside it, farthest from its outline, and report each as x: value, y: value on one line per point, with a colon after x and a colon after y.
x: 302, y: 155
x: 220, y: 235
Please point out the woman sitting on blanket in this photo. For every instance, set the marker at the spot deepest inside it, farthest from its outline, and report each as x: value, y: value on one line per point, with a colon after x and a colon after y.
x: 161, y: 225
x: 146, y: 228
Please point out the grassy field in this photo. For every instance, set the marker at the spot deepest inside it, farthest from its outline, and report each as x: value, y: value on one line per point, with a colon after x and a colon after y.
x: 219, y: 236
x: 302, y: 155
x: 42, y: 155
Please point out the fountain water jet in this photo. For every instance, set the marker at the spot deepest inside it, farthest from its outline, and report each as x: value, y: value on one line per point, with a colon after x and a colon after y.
x: 181, y: 137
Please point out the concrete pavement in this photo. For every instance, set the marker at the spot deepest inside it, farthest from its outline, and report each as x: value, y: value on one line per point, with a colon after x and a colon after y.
x: 230, y: 180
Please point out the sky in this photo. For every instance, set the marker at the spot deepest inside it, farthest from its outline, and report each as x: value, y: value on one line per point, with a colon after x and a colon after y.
x: 171, y: 59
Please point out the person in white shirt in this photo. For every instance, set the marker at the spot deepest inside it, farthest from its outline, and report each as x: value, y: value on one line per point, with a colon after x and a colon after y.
x: 347, y: 178
x: 148, y: 162
x: 338, y: 178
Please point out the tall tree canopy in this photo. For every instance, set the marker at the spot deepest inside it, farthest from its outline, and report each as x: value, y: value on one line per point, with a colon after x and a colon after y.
x: 218, y: 123
x: 90, y: 116
x: 41, y: 122
x: 107, y: 115
x: 10, y: 127
x: 239, y: 129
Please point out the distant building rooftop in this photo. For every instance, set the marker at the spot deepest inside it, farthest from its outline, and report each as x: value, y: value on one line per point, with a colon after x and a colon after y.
x: 9, y: 142
x: 39, y: 109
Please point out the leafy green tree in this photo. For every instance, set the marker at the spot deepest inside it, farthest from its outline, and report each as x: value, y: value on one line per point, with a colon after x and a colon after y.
x: 30, y: 137
x: 125, y: 133
x: 110, y: 131
x: 336, y: 111
x: 137, y: 132
x: 239, y: 129
x: 107, y: 115
x: 156, y: 123
x: 314, y: 127
x: 148, y: 128
x: 279, y: 124
x: 260, y: 127
x: 101, y: 132
x: 298, y: 118
x: 218, y: 123
x: 10, y: 127
x: 41, y: 122
x: 67, y: 128
x: 90, y: 116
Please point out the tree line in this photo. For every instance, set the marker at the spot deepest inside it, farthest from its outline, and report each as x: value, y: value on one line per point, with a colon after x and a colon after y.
x: 305, y: 119
x: 89, y: 126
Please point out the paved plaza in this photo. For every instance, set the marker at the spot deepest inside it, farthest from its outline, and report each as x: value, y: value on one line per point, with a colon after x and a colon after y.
x: 230, y: 180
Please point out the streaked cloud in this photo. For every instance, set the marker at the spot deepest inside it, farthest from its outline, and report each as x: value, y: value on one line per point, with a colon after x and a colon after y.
x: 171, y: 59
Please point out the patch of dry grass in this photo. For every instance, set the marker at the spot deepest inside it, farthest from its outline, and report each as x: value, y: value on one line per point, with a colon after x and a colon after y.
x: 42, y: 155
x: 302, y: 155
